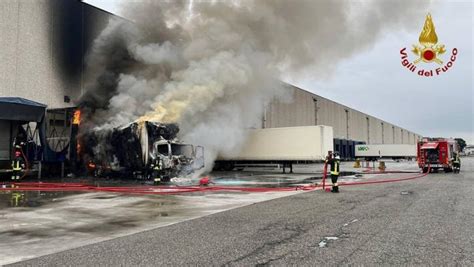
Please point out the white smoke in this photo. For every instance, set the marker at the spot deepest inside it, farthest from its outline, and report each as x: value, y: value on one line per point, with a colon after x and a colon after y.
x: 212, y: 66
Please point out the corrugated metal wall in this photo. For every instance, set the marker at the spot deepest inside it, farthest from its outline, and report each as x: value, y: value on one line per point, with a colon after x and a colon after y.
x: 42, y: 48
x: 310, y: 109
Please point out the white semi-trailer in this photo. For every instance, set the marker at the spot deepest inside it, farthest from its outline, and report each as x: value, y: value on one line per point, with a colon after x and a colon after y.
x: 394, y: 151
x: 285, y: 146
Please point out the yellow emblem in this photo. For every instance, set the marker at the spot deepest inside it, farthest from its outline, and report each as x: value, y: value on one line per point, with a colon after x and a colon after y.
x: 428, y: 50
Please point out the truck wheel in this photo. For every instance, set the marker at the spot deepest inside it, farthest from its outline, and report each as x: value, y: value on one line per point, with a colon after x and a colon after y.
x: 448, y: 169
x: 228, y: 166
x: 425, y: 170
x: 217, y: 167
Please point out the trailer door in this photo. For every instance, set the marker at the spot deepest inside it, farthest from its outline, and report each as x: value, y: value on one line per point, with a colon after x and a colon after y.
x: 5, y: 139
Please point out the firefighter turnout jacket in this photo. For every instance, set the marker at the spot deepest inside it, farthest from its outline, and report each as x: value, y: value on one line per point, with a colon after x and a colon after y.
x: 17, y: 164
x: 456, y: 159
x: 334, y: 166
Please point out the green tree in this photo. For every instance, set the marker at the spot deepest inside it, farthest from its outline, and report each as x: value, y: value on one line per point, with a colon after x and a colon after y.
x: 461, y: 143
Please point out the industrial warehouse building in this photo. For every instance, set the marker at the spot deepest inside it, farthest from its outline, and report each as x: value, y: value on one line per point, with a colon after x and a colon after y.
x: 310, y: 109
x: 43, y: 49
x: 350, y: 127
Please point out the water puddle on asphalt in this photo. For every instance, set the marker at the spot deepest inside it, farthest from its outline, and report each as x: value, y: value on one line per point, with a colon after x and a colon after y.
x: 34, y: 223
x: 30, y: 199
x: 32, y: 213
x: 274, y: 181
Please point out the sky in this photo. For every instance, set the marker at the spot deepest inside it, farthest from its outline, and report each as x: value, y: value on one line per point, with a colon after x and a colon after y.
x: 374, y: 81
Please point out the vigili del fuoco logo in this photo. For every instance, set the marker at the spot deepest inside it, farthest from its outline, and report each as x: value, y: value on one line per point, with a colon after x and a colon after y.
x: 430, y: 52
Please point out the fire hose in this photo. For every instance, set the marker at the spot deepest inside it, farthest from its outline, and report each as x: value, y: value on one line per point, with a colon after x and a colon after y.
x: 420, y: 175
x: 325, y: 174
x: 167, y: 190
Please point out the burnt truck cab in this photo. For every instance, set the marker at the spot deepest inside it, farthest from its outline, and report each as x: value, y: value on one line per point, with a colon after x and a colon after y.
x: 170, y: 158
x: 141, y: 150
x: 436, y: 153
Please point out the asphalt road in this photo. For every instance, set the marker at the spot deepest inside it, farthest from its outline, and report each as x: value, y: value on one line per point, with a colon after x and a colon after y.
x: 427, y: 221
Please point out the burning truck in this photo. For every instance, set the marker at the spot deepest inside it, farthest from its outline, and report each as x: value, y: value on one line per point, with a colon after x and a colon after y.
x: 142, y: 150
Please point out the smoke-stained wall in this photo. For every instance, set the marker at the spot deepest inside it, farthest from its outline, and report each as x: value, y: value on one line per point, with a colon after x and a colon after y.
x: 42, y: 48
x: 310, y: 109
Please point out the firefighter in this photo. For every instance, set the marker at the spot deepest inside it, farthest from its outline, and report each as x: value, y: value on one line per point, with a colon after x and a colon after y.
x: 456, y: 162
x: 18, y: 164
x: 156, y: 172
x: 334, y: 163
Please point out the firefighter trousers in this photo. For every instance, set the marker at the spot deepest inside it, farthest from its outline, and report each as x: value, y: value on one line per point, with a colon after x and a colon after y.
x: 335, y: 186
x: 16, y: 175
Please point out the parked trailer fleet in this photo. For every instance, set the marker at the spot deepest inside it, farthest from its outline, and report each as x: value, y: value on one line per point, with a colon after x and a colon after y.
x: 285, y: 146
x: 393, y: 151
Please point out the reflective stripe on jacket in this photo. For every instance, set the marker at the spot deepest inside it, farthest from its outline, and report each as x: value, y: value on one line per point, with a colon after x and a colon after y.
x: 16, y: 165
x: 456, y: 159
x: 335, y: 167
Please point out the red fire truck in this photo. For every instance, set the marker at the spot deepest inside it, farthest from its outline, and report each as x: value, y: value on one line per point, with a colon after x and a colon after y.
x: 436, y: 153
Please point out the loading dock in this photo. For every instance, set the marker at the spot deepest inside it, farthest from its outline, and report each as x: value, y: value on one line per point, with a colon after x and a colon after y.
x: 21, y: 120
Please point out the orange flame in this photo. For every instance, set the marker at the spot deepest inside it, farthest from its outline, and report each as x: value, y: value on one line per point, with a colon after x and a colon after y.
x: 77, y: 117
x: 91, y: 165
